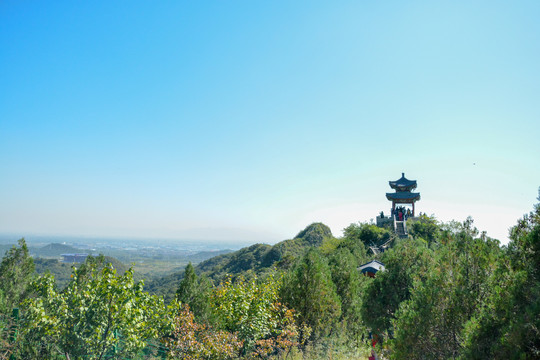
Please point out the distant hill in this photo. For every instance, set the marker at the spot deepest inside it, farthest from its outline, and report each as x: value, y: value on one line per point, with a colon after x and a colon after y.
x: 254, y: 259
x: 260, y: 257
x: 54, y: 250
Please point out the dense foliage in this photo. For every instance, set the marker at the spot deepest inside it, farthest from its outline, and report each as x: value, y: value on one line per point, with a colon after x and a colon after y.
x: 16, y: 273
x: 309, y: 289
x: 447, y: 291
x: 99, y: 313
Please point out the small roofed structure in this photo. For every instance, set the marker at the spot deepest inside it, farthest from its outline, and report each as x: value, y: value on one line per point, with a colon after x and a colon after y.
x: 403, y: 194
x: 371, y: 268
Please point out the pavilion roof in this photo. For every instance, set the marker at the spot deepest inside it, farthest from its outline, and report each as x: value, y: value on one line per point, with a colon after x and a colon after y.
x: 403, y: 183
x: 406, y: 195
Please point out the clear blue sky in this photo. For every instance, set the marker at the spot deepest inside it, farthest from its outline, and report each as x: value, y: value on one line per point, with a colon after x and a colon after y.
x: 176, y: 118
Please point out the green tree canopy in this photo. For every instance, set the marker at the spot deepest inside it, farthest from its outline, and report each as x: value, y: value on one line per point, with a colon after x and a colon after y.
x: 309, y: 290
x: 314, y: 234
x: 16, y: 274
x: 424, y: 227
x: 508, y: 327
x: 252, y: 310
x: 406, y: 263
x: 431, y: 323
x: 195, y: 292
x: 349, y: 284
x: 99, y: 313
x: 368, y: 234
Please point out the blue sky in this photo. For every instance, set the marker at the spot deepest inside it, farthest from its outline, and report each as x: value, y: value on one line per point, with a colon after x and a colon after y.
x: 169, y: 119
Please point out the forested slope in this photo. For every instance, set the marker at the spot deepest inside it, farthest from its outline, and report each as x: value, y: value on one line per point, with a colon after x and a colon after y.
x: 257, y: 259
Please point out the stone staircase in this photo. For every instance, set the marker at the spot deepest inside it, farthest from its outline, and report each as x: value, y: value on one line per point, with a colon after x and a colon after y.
x: 401, y: 229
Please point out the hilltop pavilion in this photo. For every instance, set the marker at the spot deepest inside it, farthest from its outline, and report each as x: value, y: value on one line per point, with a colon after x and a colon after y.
x: 403, y: 194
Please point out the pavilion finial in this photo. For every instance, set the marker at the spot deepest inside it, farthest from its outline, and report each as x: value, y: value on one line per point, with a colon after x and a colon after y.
x: 402, y: 174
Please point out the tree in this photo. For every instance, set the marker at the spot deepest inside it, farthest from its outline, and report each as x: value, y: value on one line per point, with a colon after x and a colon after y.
x: 309, y: 290
x: 424, y: 227
x: 404, y: 264
x: 431, y: 323
x: 187, y: 290
x: 191, y: 340
x: 355, y: 247
x: 251, y: 310
x: 349, y: 283
x: 195, y: 292
x: 508, y: 327
x: 16, y: 274
x: 98, y: 314
x: 8, y: 332
x: 368, y: 234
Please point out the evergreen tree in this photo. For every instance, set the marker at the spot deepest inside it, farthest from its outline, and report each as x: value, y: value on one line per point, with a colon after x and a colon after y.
x: 404, y: 264
x: 508, y: 327
x: 368, y: 234
x: 195, y: 292
x: 16, y: 274
x: 309, y: 290
x: 430, y: 325
x: 187, y: 289
x: 424, y: 227
x: 349, y: 282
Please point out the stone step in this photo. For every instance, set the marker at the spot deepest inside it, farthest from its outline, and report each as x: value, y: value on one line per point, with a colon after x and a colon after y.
x: 400, y: 229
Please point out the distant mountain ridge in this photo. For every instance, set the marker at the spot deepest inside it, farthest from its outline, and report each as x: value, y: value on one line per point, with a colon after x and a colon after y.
x: 55, y: 249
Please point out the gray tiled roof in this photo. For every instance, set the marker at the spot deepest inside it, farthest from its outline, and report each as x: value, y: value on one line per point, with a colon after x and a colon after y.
x: 406, y: 195
x: 372, y: 266
x: 403, y: 183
